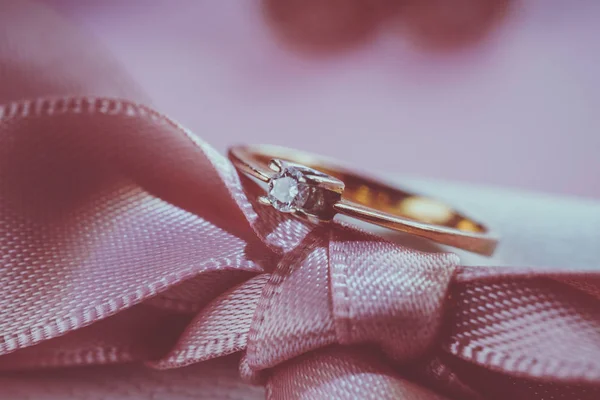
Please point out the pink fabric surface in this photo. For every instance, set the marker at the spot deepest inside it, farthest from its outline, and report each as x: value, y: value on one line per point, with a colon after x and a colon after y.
x: 528, y: 92
x: 215, y: 379
x: 127, y: 239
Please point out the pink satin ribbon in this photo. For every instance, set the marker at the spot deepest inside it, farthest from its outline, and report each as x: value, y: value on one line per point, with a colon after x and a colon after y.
x: 125, y: 238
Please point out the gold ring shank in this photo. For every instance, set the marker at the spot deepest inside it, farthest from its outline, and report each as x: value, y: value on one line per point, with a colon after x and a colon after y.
x: 369, y: 199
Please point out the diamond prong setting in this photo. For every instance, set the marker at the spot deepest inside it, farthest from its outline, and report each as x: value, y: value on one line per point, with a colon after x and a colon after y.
x: 264, y: 200
x: 287, y: 192
x: 275, y: 165
x: 296, y: 188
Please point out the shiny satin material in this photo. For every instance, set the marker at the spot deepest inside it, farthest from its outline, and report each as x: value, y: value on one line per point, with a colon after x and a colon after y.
x: 125, y: 238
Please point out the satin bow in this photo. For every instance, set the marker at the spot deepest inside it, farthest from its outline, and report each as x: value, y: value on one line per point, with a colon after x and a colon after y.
x: 126, y: 238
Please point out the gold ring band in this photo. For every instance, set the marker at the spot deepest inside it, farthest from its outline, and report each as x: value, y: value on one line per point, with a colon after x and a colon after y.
x: 317, y: 188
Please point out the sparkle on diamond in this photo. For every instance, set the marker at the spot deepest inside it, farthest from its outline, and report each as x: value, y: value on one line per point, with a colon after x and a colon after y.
x: 286, y: 192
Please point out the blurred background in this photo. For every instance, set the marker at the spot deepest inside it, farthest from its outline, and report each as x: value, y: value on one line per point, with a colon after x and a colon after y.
x: 494, y: 92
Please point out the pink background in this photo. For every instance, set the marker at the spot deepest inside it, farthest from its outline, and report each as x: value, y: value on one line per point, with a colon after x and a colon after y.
x: 521, y: 109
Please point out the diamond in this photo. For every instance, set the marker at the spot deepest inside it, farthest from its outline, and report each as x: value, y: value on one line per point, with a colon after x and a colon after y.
x: 287, y: 192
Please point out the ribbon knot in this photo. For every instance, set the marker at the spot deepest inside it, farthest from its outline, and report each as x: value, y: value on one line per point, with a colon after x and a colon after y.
x: 388, y: 295
x: 344, y: 286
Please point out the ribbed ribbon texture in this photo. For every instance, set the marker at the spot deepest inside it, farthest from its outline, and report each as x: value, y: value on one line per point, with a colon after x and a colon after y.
x: 125, y: 238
